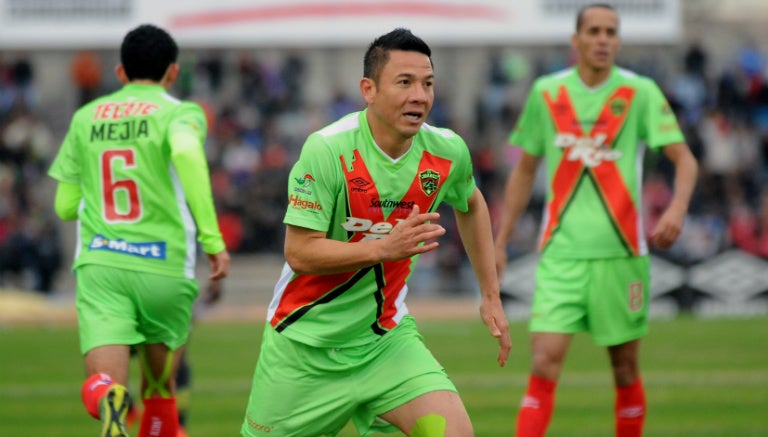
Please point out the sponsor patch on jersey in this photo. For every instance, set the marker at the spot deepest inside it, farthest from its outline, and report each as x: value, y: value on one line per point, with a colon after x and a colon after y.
x: 389, y: 204
x: 152, y: 250
x: 297, y: 202
x: 118, y: 110
x: 305, y: 181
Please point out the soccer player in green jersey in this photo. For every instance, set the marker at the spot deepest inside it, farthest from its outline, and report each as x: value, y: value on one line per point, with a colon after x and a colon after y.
x: 132, y: 172
x: 589, y: 124
x: 339, y: 343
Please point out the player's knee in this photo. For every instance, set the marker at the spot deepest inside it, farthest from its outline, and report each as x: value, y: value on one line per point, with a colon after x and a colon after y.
x: 431, y: 425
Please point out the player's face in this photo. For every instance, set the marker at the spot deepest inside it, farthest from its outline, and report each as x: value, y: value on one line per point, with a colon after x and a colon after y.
x: 404, y: 94
x: 597, y: 40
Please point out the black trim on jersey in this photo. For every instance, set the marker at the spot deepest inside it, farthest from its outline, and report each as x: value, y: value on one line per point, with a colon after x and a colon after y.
x: 378, y: 269
x: 333, y: 294
x: 564, y: 210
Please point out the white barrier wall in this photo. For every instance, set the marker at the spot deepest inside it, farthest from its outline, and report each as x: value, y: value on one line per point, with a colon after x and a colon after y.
x: 242, y: 23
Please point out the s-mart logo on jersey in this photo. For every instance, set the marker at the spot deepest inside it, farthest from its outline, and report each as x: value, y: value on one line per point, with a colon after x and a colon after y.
x: 152, y: 250
x: 118, y: 110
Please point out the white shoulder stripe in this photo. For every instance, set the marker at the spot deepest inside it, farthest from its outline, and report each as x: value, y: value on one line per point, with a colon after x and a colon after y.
x: 347, y: 123
x: 562, y: 73
x: 172, y: 99
x: 627, y: 73
x: 445, y: 133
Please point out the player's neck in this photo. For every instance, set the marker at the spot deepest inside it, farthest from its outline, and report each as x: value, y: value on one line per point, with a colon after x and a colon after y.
x: 388, y: 140
x: 394, y: 149
x: 593, y: 77
x: 149, y: 82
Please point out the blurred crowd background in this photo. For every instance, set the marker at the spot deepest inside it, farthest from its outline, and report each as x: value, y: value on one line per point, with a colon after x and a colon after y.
x: 261, y: 107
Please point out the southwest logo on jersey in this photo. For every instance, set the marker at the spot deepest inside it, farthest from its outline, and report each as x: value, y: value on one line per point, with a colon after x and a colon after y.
x: 591, y: 151
x: 429, y: 181
x: 397, y: 205
x: 370, y: 230
x: 298, y: 203
x: 153, y: 250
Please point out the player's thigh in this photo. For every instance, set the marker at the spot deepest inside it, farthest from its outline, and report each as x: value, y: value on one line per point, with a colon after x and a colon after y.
x: 560, y: 299
x: 433, y: 414
x: 618, y: 305
x: 106, y: 309
x: 297, y: 390
x: 399, y: 370
x: 165, y: 312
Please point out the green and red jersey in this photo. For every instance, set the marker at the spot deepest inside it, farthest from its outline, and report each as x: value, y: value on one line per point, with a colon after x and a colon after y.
x: 592, y: 140
x: 134, y: 212
x: 344, y: 185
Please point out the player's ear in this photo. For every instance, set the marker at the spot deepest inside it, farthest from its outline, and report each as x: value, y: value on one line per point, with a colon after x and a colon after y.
x: 367, y: 89
x: 171, y: 74
x: 121, y: 75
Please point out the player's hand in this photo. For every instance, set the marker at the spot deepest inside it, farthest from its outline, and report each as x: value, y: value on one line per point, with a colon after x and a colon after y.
x: 668, y: 228
x: 213, y: 292
x: 406, y: 238
x: 219, y: 265
x: 492, y: 313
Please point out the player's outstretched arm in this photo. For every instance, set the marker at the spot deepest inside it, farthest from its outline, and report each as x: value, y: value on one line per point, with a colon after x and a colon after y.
x: 475, y: 231
x: 309, y: 252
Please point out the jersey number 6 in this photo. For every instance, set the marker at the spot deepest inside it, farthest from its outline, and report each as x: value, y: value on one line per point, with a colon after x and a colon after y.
x: 111, y: 187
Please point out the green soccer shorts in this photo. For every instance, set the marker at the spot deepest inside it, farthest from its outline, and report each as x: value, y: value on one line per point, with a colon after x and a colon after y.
x: 607, y: 298
x: 117, y: 306
x: 300, y: 390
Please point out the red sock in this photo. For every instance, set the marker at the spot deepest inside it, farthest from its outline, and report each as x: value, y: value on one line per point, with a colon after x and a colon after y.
x: 630, y: 410
x: 94, y: 388
x: 160, y: 418
x: 536, y: 409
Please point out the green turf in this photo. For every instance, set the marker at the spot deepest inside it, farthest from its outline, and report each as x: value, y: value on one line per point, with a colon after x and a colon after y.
x: 704, y: 378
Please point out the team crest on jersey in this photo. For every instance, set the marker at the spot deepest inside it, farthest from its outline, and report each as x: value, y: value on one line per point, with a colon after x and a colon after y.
x: 618, y: 106
x: 429, y: 180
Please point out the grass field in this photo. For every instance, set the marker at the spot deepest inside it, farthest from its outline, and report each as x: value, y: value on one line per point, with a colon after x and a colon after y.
x: 704, y: 378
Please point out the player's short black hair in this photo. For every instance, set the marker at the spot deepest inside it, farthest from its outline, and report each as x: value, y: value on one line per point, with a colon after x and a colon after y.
x: 377, y: 54
x: 580, y: 14
x: 146, y: 52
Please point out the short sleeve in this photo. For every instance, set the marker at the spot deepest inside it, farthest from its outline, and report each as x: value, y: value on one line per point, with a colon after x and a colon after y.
x: 313, y: 186
x: 66, y: 166
x: 462, y: 183
x: 659, y: 127
x: 189, y: 119
x: 528, y: 132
